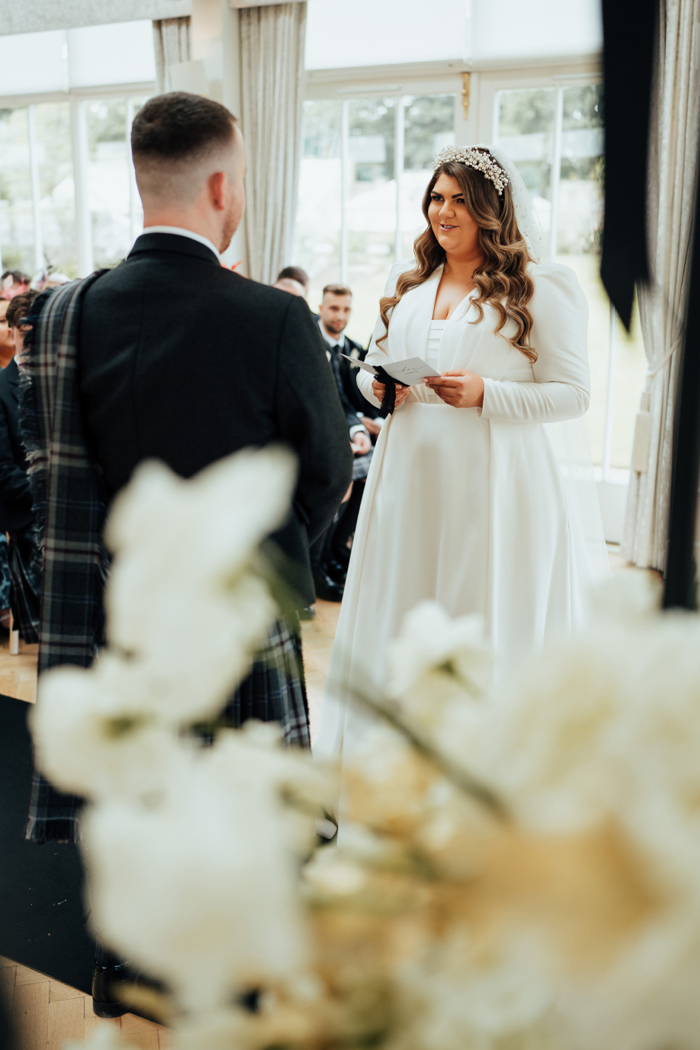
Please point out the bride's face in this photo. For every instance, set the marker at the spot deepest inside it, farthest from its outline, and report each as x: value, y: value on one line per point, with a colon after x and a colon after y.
x: 453, y: 226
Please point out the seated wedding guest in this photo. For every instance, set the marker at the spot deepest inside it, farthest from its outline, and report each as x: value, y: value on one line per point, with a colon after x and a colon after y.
x: 287, y: 284
x: 12, y: 283
x: 295, y: 273
x: 16, y: 516
x: 7, y: 353
x: 7, y: 344
x: 364, y: 419
x: 333, y: 317
x: 129, y: 393
x: 43, y: 280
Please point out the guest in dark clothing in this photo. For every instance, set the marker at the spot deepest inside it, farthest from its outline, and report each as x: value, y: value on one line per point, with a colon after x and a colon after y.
x: 15, y: 498
x: 287, y: 284
x: 295, y: 273
x: 331, y: 553
x: 324, y: 566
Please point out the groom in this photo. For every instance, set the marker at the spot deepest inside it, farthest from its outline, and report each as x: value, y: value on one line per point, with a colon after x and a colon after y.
x: 171, y: 356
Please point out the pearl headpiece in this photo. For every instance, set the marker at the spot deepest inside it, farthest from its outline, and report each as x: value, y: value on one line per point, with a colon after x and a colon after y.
x: 474, y: 158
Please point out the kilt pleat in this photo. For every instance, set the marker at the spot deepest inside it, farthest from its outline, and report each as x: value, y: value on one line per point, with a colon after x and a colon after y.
x: 273, y: 691
x: 25, y: 583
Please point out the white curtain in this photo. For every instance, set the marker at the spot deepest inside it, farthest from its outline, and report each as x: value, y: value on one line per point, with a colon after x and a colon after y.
x: 172, y: 44
x: 272, y: 91
x: 672, y: 167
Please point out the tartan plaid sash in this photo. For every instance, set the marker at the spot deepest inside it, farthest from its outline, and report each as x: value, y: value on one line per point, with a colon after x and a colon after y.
x: 70, y: 514
x: 70, y: 510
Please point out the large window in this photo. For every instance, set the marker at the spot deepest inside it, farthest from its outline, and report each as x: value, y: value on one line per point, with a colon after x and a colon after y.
x: 67, y: 195
x: 42, y: 145
x: 37, y: 193
x: 115, y: 208
x: 16, y: 218
x: 366, y: 163
x: 555, y: 136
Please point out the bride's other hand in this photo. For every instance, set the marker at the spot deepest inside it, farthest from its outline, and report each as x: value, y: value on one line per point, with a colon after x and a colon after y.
x: 459, y: 389
x: 402, y: 392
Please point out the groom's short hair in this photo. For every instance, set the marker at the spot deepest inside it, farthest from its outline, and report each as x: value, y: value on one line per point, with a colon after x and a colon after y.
x: 180, y: 127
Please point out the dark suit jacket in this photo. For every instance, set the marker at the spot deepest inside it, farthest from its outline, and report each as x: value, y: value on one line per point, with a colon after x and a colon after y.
x: 15, y: 495
x: 348, y: 379
x: 185, y: 361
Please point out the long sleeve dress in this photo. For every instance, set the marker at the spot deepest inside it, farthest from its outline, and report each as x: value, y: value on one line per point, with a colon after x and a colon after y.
x: 466, y: 506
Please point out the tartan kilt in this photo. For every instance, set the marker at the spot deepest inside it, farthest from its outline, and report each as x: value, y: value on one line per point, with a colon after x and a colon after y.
x: 274, y: 691
x: 25, y: 582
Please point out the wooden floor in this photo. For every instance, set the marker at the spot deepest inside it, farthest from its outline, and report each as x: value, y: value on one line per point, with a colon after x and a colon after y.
x: 45, y: 1013
x: 18, y: 673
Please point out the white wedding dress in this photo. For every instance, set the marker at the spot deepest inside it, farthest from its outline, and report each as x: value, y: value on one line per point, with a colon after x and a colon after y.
x: 466, y: 506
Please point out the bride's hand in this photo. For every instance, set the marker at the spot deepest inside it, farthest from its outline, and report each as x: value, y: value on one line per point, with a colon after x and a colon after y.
x: 459, y: 389
x: 402, y: 392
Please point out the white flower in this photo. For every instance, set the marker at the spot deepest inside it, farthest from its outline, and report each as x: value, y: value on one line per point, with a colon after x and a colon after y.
x: 202, y: 889
x: 431, y: 642
x: 468, y: 999
x: 95, y: 735
x: 181, y: 599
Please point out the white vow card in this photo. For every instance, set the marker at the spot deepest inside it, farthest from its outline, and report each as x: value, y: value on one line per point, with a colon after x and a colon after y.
x: 409, y: 372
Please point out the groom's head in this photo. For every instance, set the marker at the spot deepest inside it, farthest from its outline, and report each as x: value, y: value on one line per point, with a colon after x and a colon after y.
x: 190, y: 164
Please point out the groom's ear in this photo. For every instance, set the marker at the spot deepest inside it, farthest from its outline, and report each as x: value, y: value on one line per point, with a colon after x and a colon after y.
x: 216, y: 188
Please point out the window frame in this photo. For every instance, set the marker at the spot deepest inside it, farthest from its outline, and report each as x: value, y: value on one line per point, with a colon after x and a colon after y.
x: 78, y: 98
x: 476, y: 85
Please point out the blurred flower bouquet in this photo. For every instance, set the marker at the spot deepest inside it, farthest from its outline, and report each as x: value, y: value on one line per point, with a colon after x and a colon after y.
x: 516, y: 871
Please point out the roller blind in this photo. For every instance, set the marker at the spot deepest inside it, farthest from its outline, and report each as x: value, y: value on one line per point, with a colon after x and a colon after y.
x: 345, y: 33
x: 35, y: 63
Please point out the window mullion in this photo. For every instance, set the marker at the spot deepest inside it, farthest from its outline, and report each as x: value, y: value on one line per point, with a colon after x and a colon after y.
x: 344, y: 188
x: 399, y: 130
x: 83, y: 223
x: 36, y: 189
x: 556, y: 172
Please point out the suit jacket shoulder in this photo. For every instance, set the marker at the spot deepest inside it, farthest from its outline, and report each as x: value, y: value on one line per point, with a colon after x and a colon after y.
x: 184, y: 361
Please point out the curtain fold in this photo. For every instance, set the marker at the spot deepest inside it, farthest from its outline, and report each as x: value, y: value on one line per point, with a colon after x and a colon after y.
x: 172, y: 44
x: 272, y: 90
x: 671, y: 188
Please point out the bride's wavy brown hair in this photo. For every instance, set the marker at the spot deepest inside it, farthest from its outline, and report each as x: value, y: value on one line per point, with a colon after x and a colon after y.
x: 502, y: 280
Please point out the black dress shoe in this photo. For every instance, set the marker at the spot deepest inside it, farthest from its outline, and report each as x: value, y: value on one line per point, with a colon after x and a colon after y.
x: 337, y: 572
x: 105, y: 989
x: 342, y: 556
x: 307, y: 613
x: 327, y: 589
x: 106, y: 981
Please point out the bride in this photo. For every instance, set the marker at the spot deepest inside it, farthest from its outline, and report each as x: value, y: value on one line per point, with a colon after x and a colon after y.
x: 466, y: 502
